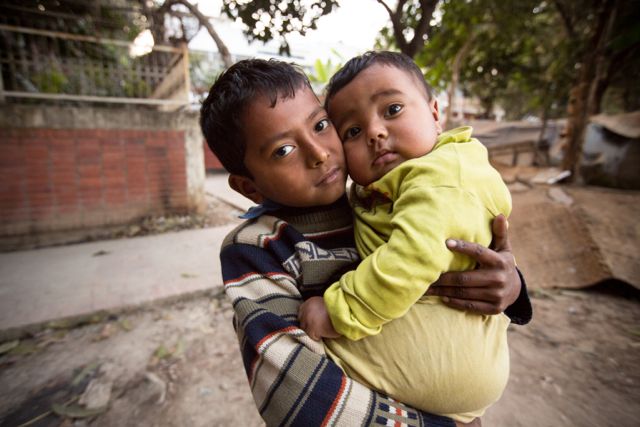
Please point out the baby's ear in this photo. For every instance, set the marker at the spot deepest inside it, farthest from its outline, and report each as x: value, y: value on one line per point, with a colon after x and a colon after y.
x: 246, y: 187
x: 433, y: 106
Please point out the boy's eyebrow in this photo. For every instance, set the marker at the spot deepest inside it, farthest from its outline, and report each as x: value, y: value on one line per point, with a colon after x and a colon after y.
x: 315, y: 112
x: 286, y: 133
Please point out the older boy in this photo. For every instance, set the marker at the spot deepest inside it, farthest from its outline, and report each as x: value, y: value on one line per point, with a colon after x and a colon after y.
x: 266, y: 126
x: 415, y: 187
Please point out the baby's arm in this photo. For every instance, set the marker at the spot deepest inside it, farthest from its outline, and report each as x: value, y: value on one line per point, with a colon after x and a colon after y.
x: 390, y: 280
x: 314, y: 319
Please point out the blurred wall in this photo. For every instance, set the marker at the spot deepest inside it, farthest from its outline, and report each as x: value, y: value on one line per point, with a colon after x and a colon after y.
x: 70, y: 168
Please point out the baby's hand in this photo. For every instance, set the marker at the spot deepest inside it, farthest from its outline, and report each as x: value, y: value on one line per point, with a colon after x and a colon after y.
x: 315, y: 320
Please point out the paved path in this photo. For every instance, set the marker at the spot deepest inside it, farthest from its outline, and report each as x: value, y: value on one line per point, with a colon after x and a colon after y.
x: 67, y: 281
x: 74, y: 281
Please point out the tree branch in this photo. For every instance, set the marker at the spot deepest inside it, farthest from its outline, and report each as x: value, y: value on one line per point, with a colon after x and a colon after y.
x: 423, y: 27
x: 396, y: 24
x: 566, y: 19
x: 204, y: 21
x: 389, y: 11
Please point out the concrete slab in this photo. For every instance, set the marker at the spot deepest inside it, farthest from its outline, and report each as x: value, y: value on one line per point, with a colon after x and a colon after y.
x: 42, y: 285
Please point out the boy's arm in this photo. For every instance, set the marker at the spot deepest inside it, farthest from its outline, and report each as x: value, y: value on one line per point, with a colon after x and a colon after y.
x: 496, y: 286
x: 291, y: 379
x: 390, y: 280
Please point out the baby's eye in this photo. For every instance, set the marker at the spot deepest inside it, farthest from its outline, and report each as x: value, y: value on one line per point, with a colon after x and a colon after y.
x: 283, y: 151
x: 321, y: 125
x: 352, y: 132
x: 394, y: 109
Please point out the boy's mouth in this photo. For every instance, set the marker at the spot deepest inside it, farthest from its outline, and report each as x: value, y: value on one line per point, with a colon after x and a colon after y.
x: 332, y: 175
x: 383, y: 157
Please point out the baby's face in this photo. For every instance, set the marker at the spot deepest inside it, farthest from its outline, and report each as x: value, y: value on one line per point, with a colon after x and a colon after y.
x: 293, y: 153
x: 383, y: 118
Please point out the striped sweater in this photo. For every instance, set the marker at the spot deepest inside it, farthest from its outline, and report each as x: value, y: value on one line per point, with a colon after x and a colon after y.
x: 270, y: 265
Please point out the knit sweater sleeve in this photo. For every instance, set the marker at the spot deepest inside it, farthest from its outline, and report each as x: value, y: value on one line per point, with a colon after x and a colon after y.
x: 292, y: 381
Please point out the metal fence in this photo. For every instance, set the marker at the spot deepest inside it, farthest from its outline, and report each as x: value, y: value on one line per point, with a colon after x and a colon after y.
x: 52, y: 66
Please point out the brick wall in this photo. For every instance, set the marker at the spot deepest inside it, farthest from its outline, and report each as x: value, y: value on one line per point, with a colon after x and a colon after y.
x: 56, y: 177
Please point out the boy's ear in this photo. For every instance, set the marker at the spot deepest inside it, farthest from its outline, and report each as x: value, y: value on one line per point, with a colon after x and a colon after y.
x: 433, y: 105
x: 246, y: 187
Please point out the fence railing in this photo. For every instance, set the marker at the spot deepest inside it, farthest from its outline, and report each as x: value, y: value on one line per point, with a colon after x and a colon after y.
x: 38, y: 64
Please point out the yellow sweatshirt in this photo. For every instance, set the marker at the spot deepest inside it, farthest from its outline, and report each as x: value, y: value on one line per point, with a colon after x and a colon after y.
x: 451, y: 192
x: 435, y: 358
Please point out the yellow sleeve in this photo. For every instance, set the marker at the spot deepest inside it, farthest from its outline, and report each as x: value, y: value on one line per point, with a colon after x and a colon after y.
x: 390, y: 280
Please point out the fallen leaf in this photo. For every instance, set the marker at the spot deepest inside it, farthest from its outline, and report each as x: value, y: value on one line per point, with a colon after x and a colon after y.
x: 8, y: 346
x: 188, y: 276
x: 162, y: 352
x: 178, y: 349
x: 633, y: 331
x: 107, y: 331
x: 87, y: 370
x: 24, y: 348
x: 61, y: 324
x: 75, y: 411
x: 101, y: 253
x: 126, y: 325
x: 97, y: 394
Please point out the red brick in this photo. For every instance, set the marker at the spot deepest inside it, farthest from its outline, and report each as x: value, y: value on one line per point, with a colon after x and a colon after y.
x: 66, y: 198
x: 38, y: 152
x: 90, y: 199
x: 40, y: 201
x: 89, y: 171
x: 115, y: 198
x: 85, y: 133
x: 11, y: 156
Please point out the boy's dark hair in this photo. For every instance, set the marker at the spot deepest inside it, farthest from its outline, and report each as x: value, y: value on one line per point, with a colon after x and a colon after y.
x: 357, y: 64
x: 222, y: 113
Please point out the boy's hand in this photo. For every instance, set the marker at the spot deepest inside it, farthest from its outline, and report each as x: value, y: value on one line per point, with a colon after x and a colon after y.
x: 490, y: 288
x: 315, y: 320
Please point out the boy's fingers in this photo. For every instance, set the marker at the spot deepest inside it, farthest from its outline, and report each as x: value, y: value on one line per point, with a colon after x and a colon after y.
x: 483, y: 256
x: 479, y: 307
x: 471, y: 278
x: 500, y: 227
x: 481, y: 294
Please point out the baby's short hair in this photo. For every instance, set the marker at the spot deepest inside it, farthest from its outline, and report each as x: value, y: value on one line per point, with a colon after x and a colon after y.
x: 222, y: 113
x: 357, y: 64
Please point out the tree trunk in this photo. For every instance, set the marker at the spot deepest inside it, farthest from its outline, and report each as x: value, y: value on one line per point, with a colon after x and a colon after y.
x: 455, y: 75
x: 582, y: 95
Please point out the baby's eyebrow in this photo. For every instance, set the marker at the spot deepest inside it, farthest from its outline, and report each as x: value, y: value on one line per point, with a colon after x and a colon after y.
x: 385, y: 92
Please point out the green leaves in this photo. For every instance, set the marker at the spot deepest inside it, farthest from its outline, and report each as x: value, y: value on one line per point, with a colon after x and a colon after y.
x: 274, y: 19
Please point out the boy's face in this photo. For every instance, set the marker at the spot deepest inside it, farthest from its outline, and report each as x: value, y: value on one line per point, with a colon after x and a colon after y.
x: 383, y: 118
x: 293, y: 153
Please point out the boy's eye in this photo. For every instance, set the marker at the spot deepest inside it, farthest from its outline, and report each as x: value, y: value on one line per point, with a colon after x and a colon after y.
x: 321, y: 125
x: 283, y: 151
x: 394, y: 109
x: 352, y: 132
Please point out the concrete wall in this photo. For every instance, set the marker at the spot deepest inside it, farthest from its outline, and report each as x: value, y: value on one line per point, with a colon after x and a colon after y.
x: 68, y: 168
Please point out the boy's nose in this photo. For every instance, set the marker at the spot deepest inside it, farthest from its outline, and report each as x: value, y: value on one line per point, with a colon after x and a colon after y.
x: 317, y: 155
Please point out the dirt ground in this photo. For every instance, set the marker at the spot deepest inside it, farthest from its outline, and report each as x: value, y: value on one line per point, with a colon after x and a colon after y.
x: 576, y: 364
